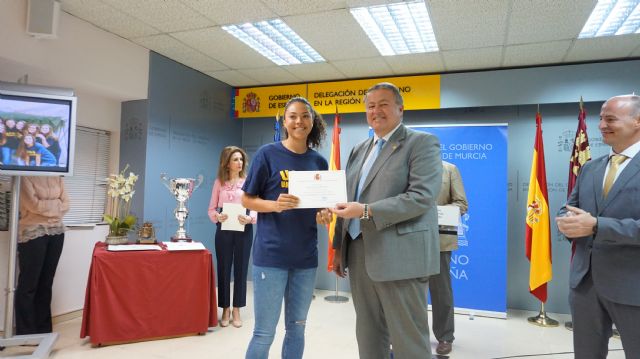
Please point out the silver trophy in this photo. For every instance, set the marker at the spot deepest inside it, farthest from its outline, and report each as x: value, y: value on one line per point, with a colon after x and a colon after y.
x: 181, y: 188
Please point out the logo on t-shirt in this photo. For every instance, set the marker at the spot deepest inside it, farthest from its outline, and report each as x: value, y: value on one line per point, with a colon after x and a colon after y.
x: 284, y: 176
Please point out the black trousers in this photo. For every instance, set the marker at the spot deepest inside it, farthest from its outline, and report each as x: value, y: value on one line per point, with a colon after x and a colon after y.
x: 38, y: 260
x: 233, y: 248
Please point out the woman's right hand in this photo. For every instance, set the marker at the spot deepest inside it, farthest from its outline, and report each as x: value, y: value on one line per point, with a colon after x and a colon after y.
x: 285, y: 202
x: 221, y: 217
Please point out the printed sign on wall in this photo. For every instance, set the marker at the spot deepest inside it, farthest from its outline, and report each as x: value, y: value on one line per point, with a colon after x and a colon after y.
x: 418, y: 92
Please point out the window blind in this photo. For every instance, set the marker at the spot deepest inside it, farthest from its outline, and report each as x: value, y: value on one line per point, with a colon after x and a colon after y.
x: 87, y: 188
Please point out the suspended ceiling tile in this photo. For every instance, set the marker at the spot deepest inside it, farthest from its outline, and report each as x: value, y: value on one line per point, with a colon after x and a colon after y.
x: 483, y: 58
x: 296, y: 7
x: 223, y: 47
x: 536, y: 54
x: 369, y: 67
x: 336, y: 35
x: 547, y: 20
x: 233, y: 78
x: 430, y: 62
x: 198, y: 61
x: 108, y: 18
x: 271, y: 75
x: 362, y: 3
x: 320, y: 71
x: 468, y: 24
x: 222, y: 13
x: 165, y: 15
x: 610, y: 47
x: 177, y: 51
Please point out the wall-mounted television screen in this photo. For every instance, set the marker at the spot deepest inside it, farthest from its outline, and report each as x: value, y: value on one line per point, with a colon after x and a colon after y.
x: 37, y: 132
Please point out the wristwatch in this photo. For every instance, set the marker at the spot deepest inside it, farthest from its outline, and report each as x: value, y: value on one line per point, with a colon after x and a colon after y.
x: 595, y: 228
x: 365, y: 213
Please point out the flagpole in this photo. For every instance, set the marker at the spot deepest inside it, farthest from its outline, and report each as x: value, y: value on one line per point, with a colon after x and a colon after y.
x: 542, y: 320
x: 336, y: 298
x: 334, y: 164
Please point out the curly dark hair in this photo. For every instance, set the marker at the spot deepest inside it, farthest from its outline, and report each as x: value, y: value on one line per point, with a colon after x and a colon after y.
x: 319, y: 131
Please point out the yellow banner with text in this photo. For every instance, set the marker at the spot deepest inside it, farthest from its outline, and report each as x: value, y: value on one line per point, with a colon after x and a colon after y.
x: 418, y: 92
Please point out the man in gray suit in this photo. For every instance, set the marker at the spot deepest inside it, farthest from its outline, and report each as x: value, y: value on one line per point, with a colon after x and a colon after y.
x: 388, y: 236
x: 602, y: 216
x: 452, y: 193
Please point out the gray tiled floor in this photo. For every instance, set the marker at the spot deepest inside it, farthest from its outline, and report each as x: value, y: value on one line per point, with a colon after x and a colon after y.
x: 330, y: 334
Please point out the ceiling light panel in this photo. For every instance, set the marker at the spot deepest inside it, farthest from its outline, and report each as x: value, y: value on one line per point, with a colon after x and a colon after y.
x: 276, y: 41
x: 613, y: 17
x: 398, y: 29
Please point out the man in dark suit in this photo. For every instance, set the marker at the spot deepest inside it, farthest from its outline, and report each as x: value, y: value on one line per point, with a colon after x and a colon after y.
x: 602, y: 217
x: 388, y: 236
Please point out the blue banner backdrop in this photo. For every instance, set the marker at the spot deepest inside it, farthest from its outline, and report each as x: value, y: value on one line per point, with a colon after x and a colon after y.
x: 479, y: 266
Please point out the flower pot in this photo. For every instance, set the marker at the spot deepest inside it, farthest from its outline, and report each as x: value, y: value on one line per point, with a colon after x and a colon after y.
x: 117, y: 240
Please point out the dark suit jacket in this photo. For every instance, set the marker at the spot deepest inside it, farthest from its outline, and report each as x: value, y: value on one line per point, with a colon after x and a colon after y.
x: 401, y: 240
x: 613, y: 254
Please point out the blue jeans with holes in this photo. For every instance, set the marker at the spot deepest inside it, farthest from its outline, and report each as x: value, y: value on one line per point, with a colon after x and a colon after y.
x: 270, y: 287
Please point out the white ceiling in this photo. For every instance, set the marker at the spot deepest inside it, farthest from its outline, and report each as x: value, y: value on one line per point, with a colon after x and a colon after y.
x: 471, y: 34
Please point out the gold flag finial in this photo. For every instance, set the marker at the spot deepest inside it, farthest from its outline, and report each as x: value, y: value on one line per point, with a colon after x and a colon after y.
x: 278, y: 115
x: 581, y: 104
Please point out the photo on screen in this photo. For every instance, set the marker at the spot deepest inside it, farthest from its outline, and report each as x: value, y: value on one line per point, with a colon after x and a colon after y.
x: 36, y: 133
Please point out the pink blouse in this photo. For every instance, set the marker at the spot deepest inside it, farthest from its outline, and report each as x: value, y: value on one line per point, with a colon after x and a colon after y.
x: 227, y: 193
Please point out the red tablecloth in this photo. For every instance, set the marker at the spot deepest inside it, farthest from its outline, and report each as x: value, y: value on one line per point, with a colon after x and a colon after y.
x: 140, y: 295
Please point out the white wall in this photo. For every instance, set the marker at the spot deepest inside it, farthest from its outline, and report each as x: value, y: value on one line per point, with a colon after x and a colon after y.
x: 104, y: 70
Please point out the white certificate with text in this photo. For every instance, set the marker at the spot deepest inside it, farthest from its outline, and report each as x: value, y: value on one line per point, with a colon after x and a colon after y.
x: 449, y: 216
x: 232, y: 210
x: 318, y: 189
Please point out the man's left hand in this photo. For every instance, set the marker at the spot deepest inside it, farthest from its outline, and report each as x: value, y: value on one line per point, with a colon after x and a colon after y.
x: 348, y: 210
x: 576, y: 223
x: 324, y: 216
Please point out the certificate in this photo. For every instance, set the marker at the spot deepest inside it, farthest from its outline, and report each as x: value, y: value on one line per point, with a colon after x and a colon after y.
x: 318, y: 189
x: 233, y: 210
x: 184, y: 246
x: 448, y: 219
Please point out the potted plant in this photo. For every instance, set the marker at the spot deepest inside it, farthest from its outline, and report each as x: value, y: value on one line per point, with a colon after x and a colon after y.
x: 119, y: 195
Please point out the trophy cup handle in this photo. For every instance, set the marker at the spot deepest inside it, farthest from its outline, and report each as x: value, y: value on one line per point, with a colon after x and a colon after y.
x: 199, y: 180
x: 165, y: 180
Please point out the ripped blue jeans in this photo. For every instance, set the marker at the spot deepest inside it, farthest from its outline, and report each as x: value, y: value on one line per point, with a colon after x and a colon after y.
x: 270, y: 287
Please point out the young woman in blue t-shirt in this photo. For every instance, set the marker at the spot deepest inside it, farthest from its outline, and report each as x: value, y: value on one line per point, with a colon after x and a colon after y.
x: 285, y: 252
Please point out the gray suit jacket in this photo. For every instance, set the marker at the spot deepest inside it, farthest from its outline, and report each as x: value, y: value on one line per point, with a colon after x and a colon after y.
x: 401, y: 239
x: 613, y: 254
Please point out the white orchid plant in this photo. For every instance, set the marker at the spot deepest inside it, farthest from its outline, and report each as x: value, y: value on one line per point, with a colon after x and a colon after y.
x: 119, y: 194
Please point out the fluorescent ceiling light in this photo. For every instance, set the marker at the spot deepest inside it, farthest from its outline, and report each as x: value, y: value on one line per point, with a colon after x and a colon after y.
x: 276, y: 41
x: 613, y: 17
x: 398, y: 29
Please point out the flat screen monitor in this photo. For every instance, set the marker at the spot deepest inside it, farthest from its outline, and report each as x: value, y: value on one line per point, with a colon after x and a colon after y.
x: 37, y: 133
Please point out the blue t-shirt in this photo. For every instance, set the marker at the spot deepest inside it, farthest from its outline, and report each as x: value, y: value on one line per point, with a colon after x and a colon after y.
x: 288, y: 239
x: 46, y: 157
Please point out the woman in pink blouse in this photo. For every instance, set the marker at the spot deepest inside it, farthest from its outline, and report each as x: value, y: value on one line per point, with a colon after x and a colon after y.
x: 232, y: 247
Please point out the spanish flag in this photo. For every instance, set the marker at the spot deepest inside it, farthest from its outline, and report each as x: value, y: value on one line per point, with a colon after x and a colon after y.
x: 538, y: 233
x: 334, y: 164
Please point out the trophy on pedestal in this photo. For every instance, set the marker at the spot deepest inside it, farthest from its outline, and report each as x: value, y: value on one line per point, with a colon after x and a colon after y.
x: 181, y: 188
